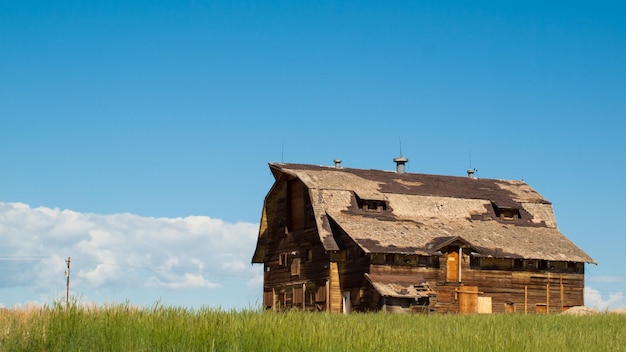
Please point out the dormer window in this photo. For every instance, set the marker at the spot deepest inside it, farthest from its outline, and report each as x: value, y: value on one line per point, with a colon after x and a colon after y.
x: 373, y: 205
x: 506, y: 213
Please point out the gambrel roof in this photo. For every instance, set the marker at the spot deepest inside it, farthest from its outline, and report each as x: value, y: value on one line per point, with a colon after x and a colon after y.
x: 408, y: 213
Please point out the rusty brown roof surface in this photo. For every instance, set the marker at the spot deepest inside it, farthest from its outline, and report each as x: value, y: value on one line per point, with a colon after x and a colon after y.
x: 502, y: 192
x: 426, y: 210
x: 488, y: 238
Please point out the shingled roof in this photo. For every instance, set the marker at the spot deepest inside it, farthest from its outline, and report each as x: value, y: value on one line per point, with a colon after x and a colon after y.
x: 422, y: 213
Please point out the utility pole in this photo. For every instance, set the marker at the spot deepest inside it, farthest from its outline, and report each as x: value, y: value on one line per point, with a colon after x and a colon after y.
x: 67, y: 285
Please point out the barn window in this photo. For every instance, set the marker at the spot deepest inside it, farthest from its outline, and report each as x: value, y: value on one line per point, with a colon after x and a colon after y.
x: 268, y: 299
x: 430, y: 261
x: 542, y: 265
x: 283, y: 259
x: 373, y: 205
x: 506, y: 213
x: 309, y: 255
x: 298, y: 296
x: 309, y: 296
x: 296, y: 200
x: 320, y: 294
x: 573, y: 267
x: 378, y: 258
x: 295, y: 267
x: 390, y: 258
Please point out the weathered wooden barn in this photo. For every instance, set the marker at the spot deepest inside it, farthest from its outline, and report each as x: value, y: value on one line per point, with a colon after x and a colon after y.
x: 341, y: 239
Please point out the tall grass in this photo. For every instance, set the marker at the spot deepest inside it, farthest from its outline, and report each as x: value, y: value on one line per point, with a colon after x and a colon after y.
x: 159, y: 328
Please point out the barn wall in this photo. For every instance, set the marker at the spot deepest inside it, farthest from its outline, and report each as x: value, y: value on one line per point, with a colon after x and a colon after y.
x: 519, y: 291
x: 524, y: 291
x: 295, y: 262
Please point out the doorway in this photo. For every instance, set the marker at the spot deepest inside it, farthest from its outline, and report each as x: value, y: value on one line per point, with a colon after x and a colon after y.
x: 453, y: 265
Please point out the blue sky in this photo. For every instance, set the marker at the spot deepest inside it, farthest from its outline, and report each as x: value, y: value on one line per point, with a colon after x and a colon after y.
x: 135, y: 135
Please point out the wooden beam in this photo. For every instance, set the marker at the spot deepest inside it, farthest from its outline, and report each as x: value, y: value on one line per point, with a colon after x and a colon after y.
x: 525, y: 299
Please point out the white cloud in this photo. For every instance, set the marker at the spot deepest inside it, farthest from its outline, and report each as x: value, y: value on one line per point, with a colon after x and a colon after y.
x: 120, y: 251
x: 593, y: 299
x: 255, y: 283
x: 235, y: 266
x: 188, y: 280
x: 607, y: 279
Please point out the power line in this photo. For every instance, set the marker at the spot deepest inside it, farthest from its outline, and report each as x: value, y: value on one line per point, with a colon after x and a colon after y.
x: 162, y: 270
x: 26, y: 258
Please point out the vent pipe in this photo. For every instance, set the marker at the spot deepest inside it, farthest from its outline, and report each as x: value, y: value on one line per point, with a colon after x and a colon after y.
x: 470, y: 172
x: 400, y: 161
x: 338, y: 163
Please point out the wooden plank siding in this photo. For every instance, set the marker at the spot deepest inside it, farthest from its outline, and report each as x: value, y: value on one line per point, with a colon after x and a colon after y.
x: 322, y: 230
x: 294, y: 256
x: 335, y: 295
x: 523, y: 289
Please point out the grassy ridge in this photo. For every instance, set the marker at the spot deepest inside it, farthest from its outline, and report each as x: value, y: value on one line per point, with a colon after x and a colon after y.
x: 125, y: 328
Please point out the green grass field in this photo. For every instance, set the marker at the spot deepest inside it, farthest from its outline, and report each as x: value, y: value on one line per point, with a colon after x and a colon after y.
x: 159, y: 328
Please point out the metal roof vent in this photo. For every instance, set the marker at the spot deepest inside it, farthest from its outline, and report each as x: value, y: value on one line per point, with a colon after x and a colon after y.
x: 338, y: 163
x: 400, y: 161
x: 471, y: 172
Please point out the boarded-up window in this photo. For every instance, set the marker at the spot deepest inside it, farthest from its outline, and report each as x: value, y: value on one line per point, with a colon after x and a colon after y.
x: 295, y: 267
x: 296, y: 198
x: 320, y: 295
x: 298, y: 294
x: 268, y: 298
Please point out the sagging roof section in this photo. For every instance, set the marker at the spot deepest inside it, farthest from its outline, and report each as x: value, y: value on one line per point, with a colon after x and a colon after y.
x: 423, y: 210
x: 400, y: 286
